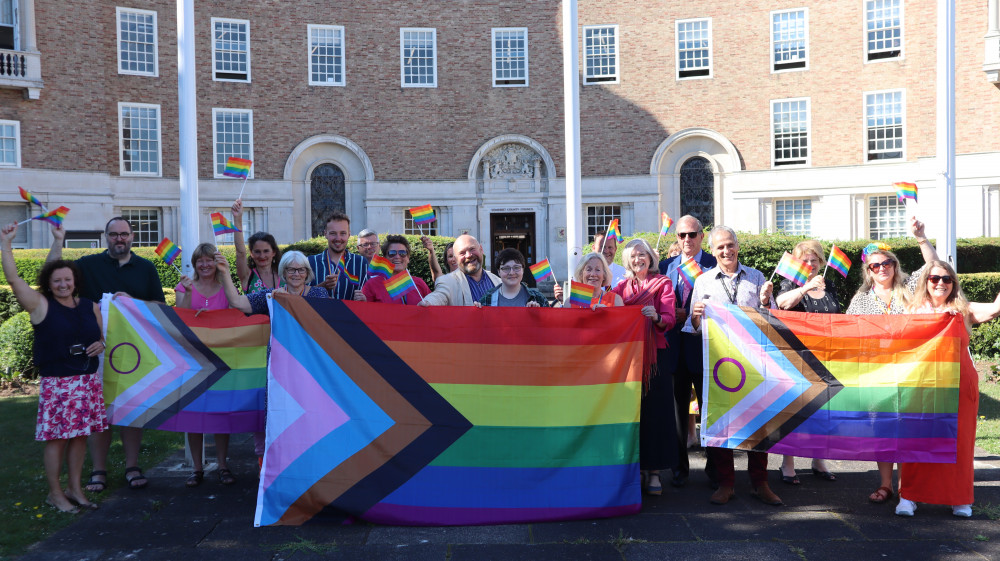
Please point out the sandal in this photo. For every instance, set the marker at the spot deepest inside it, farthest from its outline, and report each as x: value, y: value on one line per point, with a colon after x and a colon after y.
x: 881, y: 495
x: 789, y: 479
x: 824, y: 475
x: 100, y: 485
x: 195, y: 478
x: 137, y: 481
x: 226, y: 477
x: 85, y: 504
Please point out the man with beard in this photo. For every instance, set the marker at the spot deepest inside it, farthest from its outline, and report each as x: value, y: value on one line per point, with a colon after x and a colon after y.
x: 119, y: 271
x: 467, y: 284
x: 336, y: 269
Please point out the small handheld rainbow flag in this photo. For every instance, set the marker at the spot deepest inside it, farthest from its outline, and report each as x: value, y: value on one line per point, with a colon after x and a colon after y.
x: 615, y: 230
x: 580, y: 294
x: 795, y: 270
x: 839, y: 261
x: 31, y: 198
x: 422, y: 214
x: 689, y: 271
x: 222, y: 226
x: 667, y: 223
x: 238, y: 168
x: 168, y: 251
x: 54, y: 217
x: 541, y: 270
x: 905, y: 191
x: 399, y: 284
x: 381, y: 266
x: 343, y: 267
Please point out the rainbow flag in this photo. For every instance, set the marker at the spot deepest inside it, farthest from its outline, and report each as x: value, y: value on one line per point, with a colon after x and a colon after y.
x: 581, y: 294
x: 688, y: 271
x: 422, y: 214
x: 356, y: 279
x: 839, y: 261
x: 795, y: 270
x: 238, y: 168
x: 176, y: 370
x: 615, y: 230
x: 30, y: 198
x: 381, y: 266
x: 541, y: 270
x: 667, y: 223
x: 399, y: 284
x: 54, y: 217
x: 222, y: 226
x: 167, y: 250
x: 905, y: 191
x: 877, y: 388
x: 388, y: 423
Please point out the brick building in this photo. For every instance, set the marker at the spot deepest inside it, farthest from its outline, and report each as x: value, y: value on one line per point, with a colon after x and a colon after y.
x: 790, y: 115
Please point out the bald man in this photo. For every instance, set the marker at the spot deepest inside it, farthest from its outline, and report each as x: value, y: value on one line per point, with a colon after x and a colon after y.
x: 467, y: 284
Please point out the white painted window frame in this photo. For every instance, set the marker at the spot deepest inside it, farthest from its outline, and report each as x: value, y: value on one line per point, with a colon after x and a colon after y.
x: 805, y: 20
x: 402, y: 55
x: 121, y: 140
x: 784, y: 200
x: 864, y: 35
x: 215, y: 68
x: 677, y: 49
x: 493, y: 49
x: 343, y: 54
x: 17, y: 145
x: 215, y: 139
x: 775, y: 163
x: 156, y: 46
x: 593, y: 80
x: 864, y: 120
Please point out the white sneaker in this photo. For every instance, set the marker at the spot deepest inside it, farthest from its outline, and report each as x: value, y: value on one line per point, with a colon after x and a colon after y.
x: 905, y: 507
x: 965, y: 511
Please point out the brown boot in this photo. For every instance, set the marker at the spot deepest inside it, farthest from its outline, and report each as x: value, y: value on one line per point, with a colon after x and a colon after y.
x: 766, y: 495
x: 722, y: 495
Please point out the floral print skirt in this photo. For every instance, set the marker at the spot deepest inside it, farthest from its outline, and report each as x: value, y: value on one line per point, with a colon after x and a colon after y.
x: 70, y: 406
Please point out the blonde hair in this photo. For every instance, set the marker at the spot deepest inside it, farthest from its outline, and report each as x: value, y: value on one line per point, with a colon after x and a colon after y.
x: 898, y: 279
x: 955, y: 301
x: 578, y: 272
x: 654, y: 258
x: 810, y: 246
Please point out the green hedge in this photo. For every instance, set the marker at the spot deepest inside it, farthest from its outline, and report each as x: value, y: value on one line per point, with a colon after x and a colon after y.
x: 17, y: 338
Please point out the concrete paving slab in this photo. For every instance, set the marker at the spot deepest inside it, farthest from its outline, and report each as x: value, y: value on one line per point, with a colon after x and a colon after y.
x: 425, y: 552
x: 658, y: 527
x: 410, y: 535
x: 542, y: 552
x: 896, y: 550
x: 730, y: 526
x: 715, y: 551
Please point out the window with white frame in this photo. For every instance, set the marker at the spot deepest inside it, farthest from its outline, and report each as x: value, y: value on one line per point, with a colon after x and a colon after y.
x: 599, y: 217
x: 789, y: 39
x: 145, y: 224
x: 600, y: 54
x: 139, y: 139
x: 694, y: 48
x: 137, y: 43
x: 883, y: 29
x: 248, y: 224
x: 326, y: 55
x: 418, y: 57
x: 790, y: 131
x: 793, y: 216
x: 411, y: 229
x: 8, y: 25
x: 10, y: 144
x: 232, y: 130
x: 230, y: 50
x: 16, y: 213
x: 884, y: 125
x: 886, y: 217
x: 510, y: 56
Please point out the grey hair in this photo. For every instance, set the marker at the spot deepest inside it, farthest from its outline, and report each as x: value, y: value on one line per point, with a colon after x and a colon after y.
x: 688, y: 217
x: 367, y: 232
x: 295, y: 258
x: 720, y: 228
x: 630, y: 247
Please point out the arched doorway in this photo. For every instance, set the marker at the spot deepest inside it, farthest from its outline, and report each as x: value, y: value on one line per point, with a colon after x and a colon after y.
x: 327, y: 195
x: 698, y: 189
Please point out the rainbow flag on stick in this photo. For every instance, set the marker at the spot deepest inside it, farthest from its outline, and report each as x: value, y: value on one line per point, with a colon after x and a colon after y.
x: 541, y: 270
x: 381, y: 266
x: 54, y: 217
x: 838, y: 261
x: 689, y: 270
x: 614, y: 229
x: 399, y: 284
x: 238, y: 168
x: 580, y: 294
x: 222, y: 226
x: 31, y: 198
x: 422, y: 214
x: 795, y: 270
x: 667, y: 223
x: 396, y: 430
x: 875, y: 388
x: 905, y: 191
x: 168, y: 251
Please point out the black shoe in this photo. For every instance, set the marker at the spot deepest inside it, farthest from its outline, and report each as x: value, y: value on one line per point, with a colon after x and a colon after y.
x: 679, y: 480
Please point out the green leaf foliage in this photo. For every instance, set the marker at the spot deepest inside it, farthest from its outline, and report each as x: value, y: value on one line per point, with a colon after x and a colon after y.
x: 17, y: 338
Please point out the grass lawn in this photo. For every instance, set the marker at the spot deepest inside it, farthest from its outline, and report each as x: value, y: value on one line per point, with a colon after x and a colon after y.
x: 26, y: 518
x: 988, y: 428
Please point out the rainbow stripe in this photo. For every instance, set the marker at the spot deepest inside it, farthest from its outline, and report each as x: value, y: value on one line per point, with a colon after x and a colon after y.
x: 167, y: 250
x: 689, y: 270
x: 54, y: 217
x: 795, y: 270
x: 614, y: 230
x: 29, y: 197
x: 580, y: 294
x: 905, y: 191
x: 422, y: 214
x: 877, y: 388
x: 222, y: 226
x: 399, y: 284
x: 541, y: 270
x: 839, y: 261
x: 667, y: 223
x: 238, y: 168
x: 381, y: 266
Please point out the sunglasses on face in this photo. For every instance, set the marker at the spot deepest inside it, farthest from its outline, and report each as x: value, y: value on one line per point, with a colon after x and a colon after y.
x: 395, y: 252
x: 690, y: 235
x: 940, y: 278
x: 888, y: 264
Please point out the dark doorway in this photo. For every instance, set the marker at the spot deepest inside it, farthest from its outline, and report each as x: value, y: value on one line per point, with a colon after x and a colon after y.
x: 327, y: 195
x: 698, y: 190
x: 516, y: 230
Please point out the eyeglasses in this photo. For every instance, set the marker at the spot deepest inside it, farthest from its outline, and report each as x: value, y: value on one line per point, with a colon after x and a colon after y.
x: 119, y: 235
x: 940, y: 278
x: 690, y: 235
x: 368, y: 244
x: 512, y: 269
x: 296, y: 270
x: 888, y: 264
x: 395, y: 252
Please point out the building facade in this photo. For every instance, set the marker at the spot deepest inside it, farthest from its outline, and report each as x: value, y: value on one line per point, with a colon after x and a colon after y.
x: 781, y: 115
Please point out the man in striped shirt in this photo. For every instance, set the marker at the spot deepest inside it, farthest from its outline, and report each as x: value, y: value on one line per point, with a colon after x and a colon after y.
x: 342, y: 280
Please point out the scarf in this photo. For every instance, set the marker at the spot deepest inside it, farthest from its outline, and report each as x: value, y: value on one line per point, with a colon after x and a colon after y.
x: 646, y: 293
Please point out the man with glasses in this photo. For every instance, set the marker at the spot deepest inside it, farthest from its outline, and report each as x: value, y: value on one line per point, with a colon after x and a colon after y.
x: 118, y: 271
x: 684, y: 349
x: 342, y: 273
x: 367, y: 244
x: 467, y: 284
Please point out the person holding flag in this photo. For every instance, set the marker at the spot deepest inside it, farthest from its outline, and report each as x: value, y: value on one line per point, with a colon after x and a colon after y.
x: 467, y: 284
x: 512, y: 292
x: 259, y: 271
x: 395, y: 249
x: 593, y: 270
x: 342, y: 273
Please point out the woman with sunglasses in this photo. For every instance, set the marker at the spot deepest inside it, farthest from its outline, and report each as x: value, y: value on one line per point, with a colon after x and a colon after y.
x: 512, y: 292
x: 887, y: 290
x: 395, y: 248
x: 938, y: 291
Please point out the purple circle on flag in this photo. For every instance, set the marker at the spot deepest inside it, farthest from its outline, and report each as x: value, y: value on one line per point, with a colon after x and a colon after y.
x: 743, y: 374
x: 111, y: 358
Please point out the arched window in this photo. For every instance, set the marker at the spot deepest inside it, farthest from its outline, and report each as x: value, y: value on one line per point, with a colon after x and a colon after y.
x: 327, y: 195
x: 698, y: 190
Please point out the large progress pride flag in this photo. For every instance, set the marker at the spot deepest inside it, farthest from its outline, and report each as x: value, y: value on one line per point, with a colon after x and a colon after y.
x: 450, y: 415
x: 169, y: 369
x: 832, y: 386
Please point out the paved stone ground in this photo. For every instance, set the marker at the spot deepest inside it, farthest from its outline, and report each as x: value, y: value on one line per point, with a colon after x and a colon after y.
x: 821, y: 521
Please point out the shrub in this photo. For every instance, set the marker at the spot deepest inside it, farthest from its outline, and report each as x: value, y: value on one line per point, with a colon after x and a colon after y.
x: 16, y: 340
